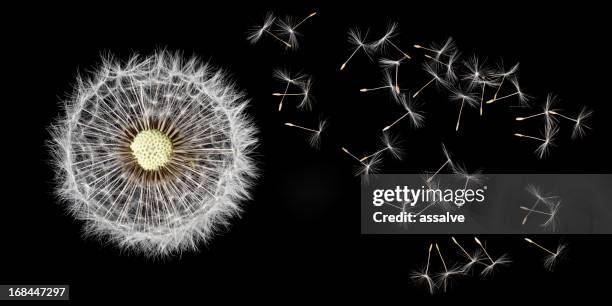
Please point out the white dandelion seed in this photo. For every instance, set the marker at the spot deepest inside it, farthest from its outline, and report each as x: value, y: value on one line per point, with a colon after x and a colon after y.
x: 465, y: 98
x: 550, y: 212
x: 393, y: 64
x: 416, y: 118
x: 447, y: 163
x: 285, y: 76
x: 448, y: 66
x: 579, y: 122
x: 255, y: 34
x: 366, y: 167
x: 475, y: 178
x: 472, y: 258
x: 489, y: 269
x: 551, y: 258
x: 422, y: 276
x: 435, y: 76
x: 381, y: 44
x: 439, y: 50
x: 387, y: 84
x: 547, y: 111
x: 315, y: 134
x: 304, y: 86
x: 518, y: 92
x: 540, y: 198
x: 443, y: 277
x: 479, y: 75
x: 546, y: 141
x: 390, y: 144
x: 503, y: 74
x: 358, y: 40
x: 288, y: 28
x: 153, y: 154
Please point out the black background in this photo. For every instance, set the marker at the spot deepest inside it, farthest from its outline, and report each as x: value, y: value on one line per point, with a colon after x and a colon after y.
x: 300, y: 234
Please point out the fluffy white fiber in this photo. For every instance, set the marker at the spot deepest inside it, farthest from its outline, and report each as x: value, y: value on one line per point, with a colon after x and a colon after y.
x: 171, y: 209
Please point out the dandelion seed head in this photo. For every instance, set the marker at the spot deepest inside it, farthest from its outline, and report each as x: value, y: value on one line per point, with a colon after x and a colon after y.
x: 433, y: 72
x: 382, y: 42
x: 551, y: 259
x: 416, y: 118
x: 461, y: 96
x: 153, y: 154
x: 503, y: 73
x: 580, y: 126
x: 391, y: 143
x: 490, y: 268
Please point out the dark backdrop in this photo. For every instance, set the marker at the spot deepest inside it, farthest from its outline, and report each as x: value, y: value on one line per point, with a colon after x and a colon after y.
x: 301, y: 233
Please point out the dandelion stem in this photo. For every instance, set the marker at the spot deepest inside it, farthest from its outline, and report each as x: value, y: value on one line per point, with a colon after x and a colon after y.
x: 541, y: 247
x: 306, y: 18
x: 442, y: 259
x: 396, y: 121
x: 440, y: 169
x: 278, y: 38
x: 535, y: 211
x: 459, y: 117
x: 301, y: 127
x: 500, y: 98
x: 530, y: 137
x: 499, y: 87
x: 350, y: 57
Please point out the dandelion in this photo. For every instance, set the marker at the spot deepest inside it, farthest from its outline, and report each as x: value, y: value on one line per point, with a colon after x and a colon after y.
x: 285, y: 76
x: 288, y: 27
x: 257, y: 32
x: 358, y: 40
x: 387, y: 83
x: 422, y: 276
x: 540, y: 198
x: 551, y: 214
x: 551, y: 258
x: 416, y: 119
x: 464, y: 97
x: 393, y: 64
x: 385, y: 40
x: 448, y: 65
x: 502, y: 260
x: 502, y: 74
x: 522, y: 97
x: 474, y: 178
x: 435, y: 76
x: 390, y: 144
x: 478, y: 75
x: 153, y: 154
x: 579, y: 125
x: 448, y: 273
x: 440, y: 50
x: 447, y: 162
x: 547, y: 111
x: 306, y: 102
x: 546, y: 141
x: 472, y: 258
x: 315, y: 135
x: 365, y: 167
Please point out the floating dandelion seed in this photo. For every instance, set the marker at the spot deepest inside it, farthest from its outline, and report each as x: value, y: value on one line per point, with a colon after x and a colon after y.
x: 440, y: 49
x: 416, y: 119
x: 288, y: 27
x: 547, y: 111
x: 502, y: 260
x: 446, y: 163
x: 315, y: 137
x: 478, y: 75
x: 503, y: 74
x: 365, y: 168
x: 393, y: 64
x: 285, y: 76
x: 422, y: 276
x: 257, y: 32
x: 153, y: 153
x: 390, y: 144
x: 431, y: 70
x: 472, y: 258
x: 465, y: 98
x: 551, y: 258
x: 540, y: 198
x: 550, y: 133
x: 474, y: 178
x: 522, y: 97
x: 443, y: 278
x: 386, y: 40
x: 358, y: 40
x: 306, y: 102
x: 551, y: 213
x: 579, y: 125
x: 388, y: 83
x: 449, y: 71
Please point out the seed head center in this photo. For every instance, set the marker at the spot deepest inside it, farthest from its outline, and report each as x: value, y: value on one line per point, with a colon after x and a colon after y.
x: 152, y: 149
